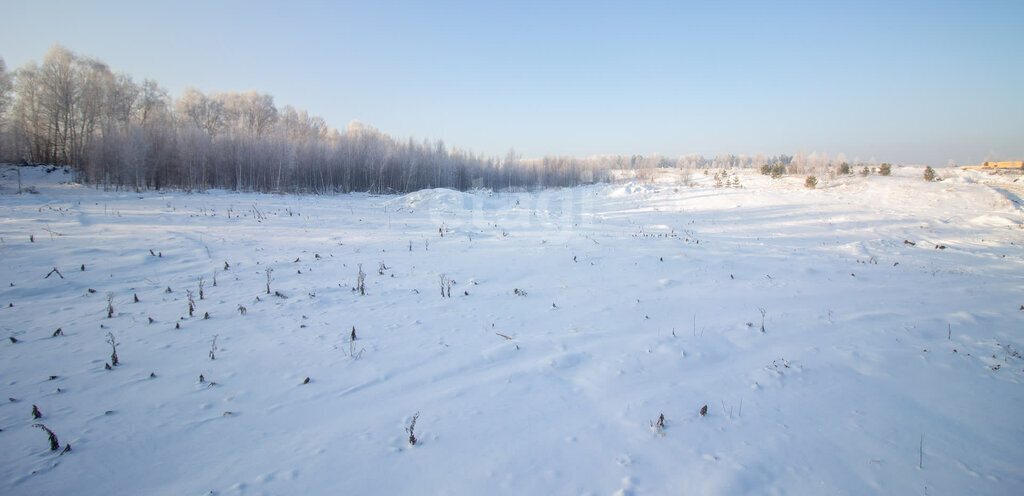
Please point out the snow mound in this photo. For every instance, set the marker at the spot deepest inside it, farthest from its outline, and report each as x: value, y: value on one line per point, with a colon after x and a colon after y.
x: 992, y: 221
x: 35, y: 176
x: 432, y: 199
x: 631, y: 189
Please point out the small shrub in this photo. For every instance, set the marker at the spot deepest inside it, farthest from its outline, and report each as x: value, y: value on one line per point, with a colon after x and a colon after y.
x: 213, y: 348
x: 110, y: 304
x: 361, y: 281
x: 844, y: 169
x: 778, y: 170
x: 54, y: 443
x: 113, y: 345
x: 659, y: 426
x: 865, y: 172
x: 35, y: 413
x: 885, y: 169
x: 811, y: 182
x: 412, y: 426
x: 446, y: 285
x: 929, y: 174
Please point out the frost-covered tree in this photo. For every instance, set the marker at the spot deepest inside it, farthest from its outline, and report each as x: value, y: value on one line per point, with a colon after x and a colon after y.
x: 205, y: 113
x: 6, y: 89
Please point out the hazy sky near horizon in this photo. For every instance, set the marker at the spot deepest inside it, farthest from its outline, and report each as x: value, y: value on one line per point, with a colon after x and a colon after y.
x: 904, y: 82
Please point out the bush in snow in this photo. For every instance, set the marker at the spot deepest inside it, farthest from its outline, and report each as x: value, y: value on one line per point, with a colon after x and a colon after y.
x: 113, y: 345
x: 659, y: 426
x: 885, y: 169
x: 446, y: 285
x: 776, y: 170
x: 844, y: 169
x: 361, y: 281
x: 412, y: 425
x: 929, y: 174
x: 810, y: 182
x: 54, y: 443
x: 213, y: 348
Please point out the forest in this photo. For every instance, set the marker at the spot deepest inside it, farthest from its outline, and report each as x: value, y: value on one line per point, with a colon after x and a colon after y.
x: 117, y: 133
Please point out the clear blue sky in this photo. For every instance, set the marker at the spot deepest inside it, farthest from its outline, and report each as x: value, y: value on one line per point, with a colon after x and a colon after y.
x: 906, y: 82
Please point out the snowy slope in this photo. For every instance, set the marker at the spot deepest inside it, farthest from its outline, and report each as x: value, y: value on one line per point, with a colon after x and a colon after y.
x: 576, y: 318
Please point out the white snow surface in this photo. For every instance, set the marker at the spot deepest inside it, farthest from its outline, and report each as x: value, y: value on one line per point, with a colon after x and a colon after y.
x: 576, y: 318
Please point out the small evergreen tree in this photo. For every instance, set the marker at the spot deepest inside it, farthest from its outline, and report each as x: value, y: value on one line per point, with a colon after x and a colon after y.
x: 885, y: 169
x: 929, y: 174
x: 811, y: 182
x: 844, y: 169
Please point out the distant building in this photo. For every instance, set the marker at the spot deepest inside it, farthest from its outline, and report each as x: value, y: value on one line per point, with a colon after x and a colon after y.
x: 1013, y: 164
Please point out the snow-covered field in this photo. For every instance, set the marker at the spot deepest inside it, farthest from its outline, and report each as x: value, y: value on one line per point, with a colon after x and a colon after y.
x: 576, y: 317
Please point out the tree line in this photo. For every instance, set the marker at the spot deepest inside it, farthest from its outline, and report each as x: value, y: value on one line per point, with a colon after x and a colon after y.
x: 121, y: 134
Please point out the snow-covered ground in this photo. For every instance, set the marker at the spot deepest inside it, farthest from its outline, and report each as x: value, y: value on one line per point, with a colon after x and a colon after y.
x: 887, y: 364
